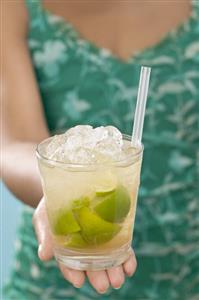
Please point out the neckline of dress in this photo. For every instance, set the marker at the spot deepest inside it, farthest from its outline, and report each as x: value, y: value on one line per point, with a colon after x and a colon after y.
x: 182, y: 27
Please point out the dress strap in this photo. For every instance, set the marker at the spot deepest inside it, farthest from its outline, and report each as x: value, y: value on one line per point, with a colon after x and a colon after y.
x: 34, y: 8
x: 36, y: 14
x: 195, y: 10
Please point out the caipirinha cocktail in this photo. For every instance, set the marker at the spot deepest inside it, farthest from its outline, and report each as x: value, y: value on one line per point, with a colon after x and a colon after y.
x: 90, y: 178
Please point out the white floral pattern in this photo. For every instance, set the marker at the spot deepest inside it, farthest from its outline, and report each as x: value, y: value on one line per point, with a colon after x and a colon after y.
x: 80, y: 83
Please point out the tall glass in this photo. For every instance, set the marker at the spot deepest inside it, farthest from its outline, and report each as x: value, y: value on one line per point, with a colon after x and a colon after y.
x: 91, y: 208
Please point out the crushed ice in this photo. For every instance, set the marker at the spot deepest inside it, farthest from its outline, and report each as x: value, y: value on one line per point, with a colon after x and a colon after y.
x: 85, y: 144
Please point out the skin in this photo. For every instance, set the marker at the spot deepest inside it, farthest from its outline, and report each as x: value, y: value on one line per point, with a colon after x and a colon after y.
x: 23, y: 121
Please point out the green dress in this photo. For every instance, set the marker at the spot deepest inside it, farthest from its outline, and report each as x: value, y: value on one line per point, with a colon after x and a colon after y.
x: 83, y: 84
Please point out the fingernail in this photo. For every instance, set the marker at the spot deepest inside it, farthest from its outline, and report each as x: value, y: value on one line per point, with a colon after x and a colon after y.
x: 40, y: 249
x: 129, y: 274
x: 130, y: 270
x: 77, y: 286
x: 117, y: 287
x: 75, y: 282
x: 103, y: 292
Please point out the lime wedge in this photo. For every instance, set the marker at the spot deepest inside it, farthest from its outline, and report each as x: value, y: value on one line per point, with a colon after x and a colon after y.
x: 75, y: 240
x: 95, y: 230
x: 114, y: 206
x: 65, y: 223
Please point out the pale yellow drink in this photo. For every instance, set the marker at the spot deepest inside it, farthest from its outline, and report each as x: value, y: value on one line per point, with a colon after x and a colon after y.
x: 91, y: 208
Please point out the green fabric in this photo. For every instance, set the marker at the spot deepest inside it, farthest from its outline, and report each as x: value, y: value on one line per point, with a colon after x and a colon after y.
x: 83, y: 84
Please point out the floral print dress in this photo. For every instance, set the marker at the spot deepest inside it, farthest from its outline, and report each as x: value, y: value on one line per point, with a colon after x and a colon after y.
x: 80, y: 83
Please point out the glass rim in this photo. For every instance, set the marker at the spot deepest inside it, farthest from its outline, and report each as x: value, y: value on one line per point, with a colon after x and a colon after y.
x: 131, y: 158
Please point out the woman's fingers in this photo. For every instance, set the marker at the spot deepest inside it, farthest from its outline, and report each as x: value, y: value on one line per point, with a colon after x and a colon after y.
x: 99, y: 280
x: 75, y: 277
x: 116, y: 276
x: 41, y: 225
x: 129, y: 266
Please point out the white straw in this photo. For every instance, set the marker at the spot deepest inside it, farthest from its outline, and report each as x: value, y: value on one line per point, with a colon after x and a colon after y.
x: 140, y: 106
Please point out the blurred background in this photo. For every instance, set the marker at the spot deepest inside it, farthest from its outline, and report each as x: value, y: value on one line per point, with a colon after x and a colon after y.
x: 11, y: 209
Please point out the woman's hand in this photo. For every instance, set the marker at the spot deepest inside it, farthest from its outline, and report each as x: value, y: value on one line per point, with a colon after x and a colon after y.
x: 100, y: 280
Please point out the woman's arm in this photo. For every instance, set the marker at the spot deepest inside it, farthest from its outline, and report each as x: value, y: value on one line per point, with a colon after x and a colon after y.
x: 23, y: 123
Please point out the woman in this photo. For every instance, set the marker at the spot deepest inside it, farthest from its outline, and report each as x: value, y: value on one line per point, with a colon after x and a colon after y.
x: 58, y: 75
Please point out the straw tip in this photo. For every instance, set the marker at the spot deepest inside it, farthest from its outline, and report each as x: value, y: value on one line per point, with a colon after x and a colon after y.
x: 145, y: 68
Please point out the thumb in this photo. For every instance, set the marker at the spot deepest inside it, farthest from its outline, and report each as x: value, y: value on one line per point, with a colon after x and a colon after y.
x: 42, y: 230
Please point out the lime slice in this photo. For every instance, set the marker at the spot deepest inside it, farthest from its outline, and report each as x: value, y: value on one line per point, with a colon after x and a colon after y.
x: 102, y: 191
x: 95, y: 230
x: 114, y: 206
x: 65, y: 223
x: 106, y: 185
x: 75, y: 240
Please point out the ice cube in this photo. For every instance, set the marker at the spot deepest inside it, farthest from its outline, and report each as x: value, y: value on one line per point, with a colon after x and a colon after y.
x: 100, y: 133
x: 114, y: 132
x: 55, y: 145
x: 79, y: 130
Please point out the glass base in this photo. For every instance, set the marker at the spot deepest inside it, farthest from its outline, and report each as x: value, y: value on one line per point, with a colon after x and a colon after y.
x: 92, y: 261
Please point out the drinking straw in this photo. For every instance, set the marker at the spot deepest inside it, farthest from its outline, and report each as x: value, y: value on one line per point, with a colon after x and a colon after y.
x: 140, y: 106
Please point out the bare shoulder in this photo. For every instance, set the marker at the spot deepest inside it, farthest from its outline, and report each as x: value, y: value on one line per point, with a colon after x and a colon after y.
x: 14, y: 17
